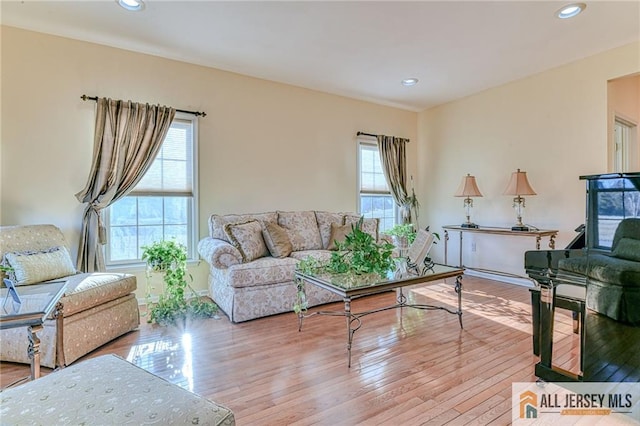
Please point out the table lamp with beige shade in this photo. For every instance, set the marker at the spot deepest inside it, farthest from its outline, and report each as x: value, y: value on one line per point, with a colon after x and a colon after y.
x: 468, y: 188
x: 519, y: 186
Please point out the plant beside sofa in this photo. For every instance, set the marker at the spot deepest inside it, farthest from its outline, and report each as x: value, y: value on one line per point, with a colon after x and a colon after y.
x: 170, y: 258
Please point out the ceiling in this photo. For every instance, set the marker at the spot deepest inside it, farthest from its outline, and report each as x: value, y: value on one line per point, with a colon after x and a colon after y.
x: 358, y: 49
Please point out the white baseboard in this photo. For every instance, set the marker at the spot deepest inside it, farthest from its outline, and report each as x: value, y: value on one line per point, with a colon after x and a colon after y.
x: 499, y: 276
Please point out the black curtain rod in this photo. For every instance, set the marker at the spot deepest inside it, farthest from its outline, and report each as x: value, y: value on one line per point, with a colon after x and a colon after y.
x: 196, y: 113
x: 368, y: 134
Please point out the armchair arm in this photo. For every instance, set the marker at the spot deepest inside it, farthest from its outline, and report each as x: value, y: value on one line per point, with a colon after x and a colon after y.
x: 219, y: 253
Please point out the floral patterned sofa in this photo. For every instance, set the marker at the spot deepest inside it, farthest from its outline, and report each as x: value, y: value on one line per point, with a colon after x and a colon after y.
x: 95, y: 308
x: 252, y: 258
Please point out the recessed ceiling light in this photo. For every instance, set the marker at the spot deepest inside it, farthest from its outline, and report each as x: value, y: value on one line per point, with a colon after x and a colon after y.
x: 133, y: 5
x: 409, y: 81
x: 570, y: 10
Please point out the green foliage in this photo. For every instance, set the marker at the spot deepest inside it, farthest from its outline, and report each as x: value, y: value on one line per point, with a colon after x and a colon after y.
x: 164, y: 255
x: 360, y: 254
x: 170, y: 257
x: 405, y: 230
x: 308, y: 266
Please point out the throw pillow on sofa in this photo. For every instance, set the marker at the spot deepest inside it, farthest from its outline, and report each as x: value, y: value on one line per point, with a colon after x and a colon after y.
x: 32, y: 267
x: 277, y: 240
x: 247, y: 238
x: 628, y: 248
x: 369, y: 225
x: 302, y: 229
x: 325, y: 219
x: 338, y: 233
x: 217, y: 222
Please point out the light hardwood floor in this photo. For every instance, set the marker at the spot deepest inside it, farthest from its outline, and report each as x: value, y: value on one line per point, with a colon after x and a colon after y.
x: 408, y: 367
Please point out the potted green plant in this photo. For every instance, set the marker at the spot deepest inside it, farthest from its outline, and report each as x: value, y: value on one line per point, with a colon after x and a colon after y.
x: 358, y: 254
x: 170, y: 258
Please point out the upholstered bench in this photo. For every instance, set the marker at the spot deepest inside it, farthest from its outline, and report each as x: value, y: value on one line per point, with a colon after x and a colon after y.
x: 107, y: 390
x: 95, y: 308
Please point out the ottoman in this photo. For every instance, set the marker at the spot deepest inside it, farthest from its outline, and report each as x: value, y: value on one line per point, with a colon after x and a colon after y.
x: 107, y: 390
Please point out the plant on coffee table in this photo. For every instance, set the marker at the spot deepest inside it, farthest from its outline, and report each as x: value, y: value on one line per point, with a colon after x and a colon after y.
x: 170, y: 258
x: 358, y: 254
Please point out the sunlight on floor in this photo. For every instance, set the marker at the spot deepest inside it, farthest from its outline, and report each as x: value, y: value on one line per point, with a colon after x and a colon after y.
x: 166, y: 355
x: 507, y: 312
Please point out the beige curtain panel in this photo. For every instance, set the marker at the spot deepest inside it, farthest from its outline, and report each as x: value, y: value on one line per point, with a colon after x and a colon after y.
x: 394, y: 165
x: 128, y: 137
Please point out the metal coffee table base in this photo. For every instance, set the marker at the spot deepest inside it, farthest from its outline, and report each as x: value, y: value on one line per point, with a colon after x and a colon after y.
x: 353, y: 318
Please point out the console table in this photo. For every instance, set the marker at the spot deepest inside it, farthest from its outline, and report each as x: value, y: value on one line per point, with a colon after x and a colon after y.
x: 538, y: 234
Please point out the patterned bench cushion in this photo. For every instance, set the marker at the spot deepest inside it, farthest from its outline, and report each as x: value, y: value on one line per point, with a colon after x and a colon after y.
x: 87, y: 290
x: 107, y: 390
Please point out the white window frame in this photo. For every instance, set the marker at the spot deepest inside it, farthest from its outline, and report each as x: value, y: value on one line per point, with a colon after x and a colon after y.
x: 193, y: 214
x: 371, y: 144
x: 626, y: 152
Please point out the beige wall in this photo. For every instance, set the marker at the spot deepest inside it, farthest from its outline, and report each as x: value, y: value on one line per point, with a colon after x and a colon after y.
x: 552, y: 125
x: 624, y: 103
x: 263, y: 145
x: 266, y: 146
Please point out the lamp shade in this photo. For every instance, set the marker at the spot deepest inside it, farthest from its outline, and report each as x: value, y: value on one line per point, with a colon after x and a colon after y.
x: 519, y: 185
x: 468, y: 187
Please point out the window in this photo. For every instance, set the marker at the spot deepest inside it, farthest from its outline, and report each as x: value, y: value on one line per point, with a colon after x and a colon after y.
x: 162, y: 205
x: 621, y: 144
x: 611, y: 199
x: 375, y: 199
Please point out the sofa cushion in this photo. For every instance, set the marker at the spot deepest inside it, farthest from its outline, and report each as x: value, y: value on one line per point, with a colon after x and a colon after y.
x: 324, y: 220
x: 260, y: 272
x: 604, y: 268
x: 627, y: 228
x: 302, y: 229
x: 30, y: 267
x: 217, y: 222
x: 338, y: 233
x: 247, y: 238
x: 319, y: 255
x: 628, y: 248
x: 276, y: 239
x: 369, y: 225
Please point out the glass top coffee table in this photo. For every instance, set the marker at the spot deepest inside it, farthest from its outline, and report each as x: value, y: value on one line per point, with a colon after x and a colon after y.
x: 351, y: 286
x: 37, y: 301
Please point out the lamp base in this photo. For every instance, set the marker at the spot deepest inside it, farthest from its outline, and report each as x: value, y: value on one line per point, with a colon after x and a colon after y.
x: 519, y: 228
x: 468, y: 225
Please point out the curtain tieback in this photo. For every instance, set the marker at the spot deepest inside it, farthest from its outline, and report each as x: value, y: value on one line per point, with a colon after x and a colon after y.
x: 102, y: 230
